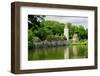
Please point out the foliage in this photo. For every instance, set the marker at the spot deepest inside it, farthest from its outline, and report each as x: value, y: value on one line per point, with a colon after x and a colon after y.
x: 35, y: 21
x: 30, y: 38
x: 30, y: 45
x: 54, y: 38
x: 80, y: 30
x: 36, y: 39
x: 30, y: 35
x: 81, y: 42
x: 40, y: 29
x: 42, y: 33
x: 57, y: 28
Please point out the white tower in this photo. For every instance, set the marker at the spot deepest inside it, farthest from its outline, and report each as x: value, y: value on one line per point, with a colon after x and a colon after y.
x: 66, y: 31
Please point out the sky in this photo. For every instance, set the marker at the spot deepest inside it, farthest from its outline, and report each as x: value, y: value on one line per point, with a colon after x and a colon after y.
x: 72, y: 19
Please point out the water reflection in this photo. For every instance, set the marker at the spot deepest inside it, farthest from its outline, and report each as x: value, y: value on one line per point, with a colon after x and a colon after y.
x: 64, y: 52
x: 75, y: 53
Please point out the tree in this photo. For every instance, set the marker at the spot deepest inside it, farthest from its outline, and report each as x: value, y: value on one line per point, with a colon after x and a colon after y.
x: 82, y: 32
x: 79, y: 29
x: 57, y: 28
x: 35, y: 21
x: 42, y: 33
x: 30, y: 38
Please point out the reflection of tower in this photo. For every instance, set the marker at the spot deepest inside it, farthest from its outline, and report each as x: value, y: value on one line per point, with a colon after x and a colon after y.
x: 66, y: 31
x: 75, y: 52
x: 66, y: 53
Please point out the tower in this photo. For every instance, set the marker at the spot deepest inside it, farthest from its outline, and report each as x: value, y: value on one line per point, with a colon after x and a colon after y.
x: 75, y: 37
x: 66, y: 31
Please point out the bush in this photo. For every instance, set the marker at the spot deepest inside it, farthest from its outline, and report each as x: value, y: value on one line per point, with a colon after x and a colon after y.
x: 55, y: 26
x: 59, y: 38
x: 42, y: 33
x: 81, y: 42
x: 30, y: 35
x: 30, y: 45
x: 49, y: 38
x: 36, y: 39
x: 63, y: 37
x: 55, y: 38
x: 30, y: 38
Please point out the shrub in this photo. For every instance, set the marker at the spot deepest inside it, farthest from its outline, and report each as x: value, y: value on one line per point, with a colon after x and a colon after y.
x: 30, y: 38
x: 42, y: 33
x: 55, y: 38
x: 36, y: 39
x: 63, y: 37
x: 30, y: 35
x: 30, y: 45
x: 49, y: 38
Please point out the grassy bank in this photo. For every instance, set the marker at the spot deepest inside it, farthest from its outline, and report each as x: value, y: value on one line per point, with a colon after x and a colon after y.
x: 81, y: 42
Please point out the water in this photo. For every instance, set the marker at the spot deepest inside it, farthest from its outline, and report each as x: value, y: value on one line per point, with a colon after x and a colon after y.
x: 63, y: 52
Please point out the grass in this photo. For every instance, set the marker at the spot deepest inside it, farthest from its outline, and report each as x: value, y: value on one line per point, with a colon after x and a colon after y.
x: 81, y: 42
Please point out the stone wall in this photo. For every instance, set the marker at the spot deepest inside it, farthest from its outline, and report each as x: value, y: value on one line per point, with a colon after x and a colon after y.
x: 50, y: 43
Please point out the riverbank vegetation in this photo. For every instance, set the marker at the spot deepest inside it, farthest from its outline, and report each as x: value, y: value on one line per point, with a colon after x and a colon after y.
x: 81, y: 42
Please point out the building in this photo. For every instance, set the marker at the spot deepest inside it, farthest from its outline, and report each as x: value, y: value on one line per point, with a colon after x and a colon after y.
x: 66, y: 31
x: 75, y: 37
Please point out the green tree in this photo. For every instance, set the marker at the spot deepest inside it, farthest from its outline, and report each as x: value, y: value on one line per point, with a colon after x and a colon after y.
x: 79, y: 29
x: 57, y: 28
x: 35, y: 21
x: 42, y: 33
x: 83, y: 33
x: 30, y: 37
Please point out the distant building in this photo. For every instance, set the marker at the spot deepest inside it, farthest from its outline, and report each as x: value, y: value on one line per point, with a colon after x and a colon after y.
x: 66, y: 31
x: 75, y: 37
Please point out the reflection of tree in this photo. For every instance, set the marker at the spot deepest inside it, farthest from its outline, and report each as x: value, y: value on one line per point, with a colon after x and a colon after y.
x: 83, y: 51
x: 73, y: 52
x: 46, y: 53
x: 69, y: 52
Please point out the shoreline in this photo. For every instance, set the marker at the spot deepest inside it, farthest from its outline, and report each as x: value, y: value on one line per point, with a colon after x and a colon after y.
x: 44, y: 44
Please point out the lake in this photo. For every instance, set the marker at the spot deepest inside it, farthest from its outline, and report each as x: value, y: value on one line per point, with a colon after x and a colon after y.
x: 63, y: 52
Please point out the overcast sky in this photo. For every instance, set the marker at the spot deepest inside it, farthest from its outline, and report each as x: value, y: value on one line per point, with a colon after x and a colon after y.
x: 75, y: 20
